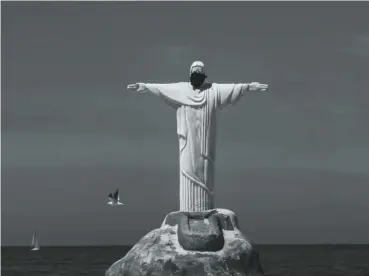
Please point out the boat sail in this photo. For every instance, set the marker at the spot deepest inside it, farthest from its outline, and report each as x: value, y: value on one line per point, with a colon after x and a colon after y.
x: 35, y: 245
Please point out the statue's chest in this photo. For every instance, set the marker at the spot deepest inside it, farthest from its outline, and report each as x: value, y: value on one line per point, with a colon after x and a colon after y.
x: 195, y: 115
x: 195, y: 118
x: 193, y: 122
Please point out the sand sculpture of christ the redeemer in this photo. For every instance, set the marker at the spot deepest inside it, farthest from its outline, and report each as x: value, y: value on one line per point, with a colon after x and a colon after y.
x: 196, y: 102
x: 198, y: 239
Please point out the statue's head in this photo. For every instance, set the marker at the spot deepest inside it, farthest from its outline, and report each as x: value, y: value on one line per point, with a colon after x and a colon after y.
x: 197, y: 74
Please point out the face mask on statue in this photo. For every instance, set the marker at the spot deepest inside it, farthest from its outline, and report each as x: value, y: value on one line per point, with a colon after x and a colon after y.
x: 197, y: 79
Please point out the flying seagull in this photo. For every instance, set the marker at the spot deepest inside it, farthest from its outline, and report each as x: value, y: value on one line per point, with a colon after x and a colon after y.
x: 114, y: 199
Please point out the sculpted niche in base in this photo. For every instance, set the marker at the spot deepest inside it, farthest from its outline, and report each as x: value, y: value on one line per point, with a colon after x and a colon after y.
x: 196, y: 103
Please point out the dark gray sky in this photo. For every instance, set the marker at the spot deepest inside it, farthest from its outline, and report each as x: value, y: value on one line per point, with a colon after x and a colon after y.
x: 292, y: 163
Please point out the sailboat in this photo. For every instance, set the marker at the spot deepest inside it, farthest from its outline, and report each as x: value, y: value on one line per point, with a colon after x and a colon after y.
x: 35, y: 245
x: 114, y: 199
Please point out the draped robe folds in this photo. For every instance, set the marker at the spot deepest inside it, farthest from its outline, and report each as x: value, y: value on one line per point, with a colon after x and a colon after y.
x: 196, y: 130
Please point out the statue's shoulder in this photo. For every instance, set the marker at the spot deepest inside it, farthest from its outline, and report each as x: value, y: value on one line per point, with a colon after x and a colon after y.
x: 181, y: 84
x: 210, y: 85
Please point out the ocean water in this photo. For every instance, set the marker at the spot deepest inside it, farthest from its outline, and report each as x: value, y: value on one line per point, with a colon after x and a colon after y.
x: 278, y: 260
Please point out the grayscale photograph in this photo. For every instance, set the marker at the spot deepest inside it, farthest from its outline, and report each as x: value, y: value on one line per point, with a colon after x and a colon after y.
x: 184, y: 138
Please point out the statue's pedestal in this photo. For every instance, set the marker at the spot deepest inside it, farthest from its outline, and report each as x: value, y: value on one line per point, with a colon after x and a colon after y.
x: 192, y: 244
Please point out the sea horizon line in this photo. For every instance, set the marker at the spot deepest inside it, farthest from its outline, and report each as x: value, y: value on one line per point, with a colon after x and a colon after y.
x: 257, y: 245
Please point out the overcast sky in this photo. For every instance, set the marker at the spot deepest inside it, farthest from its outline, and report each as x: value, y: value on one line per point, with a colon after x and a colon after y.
x: 292, y: 163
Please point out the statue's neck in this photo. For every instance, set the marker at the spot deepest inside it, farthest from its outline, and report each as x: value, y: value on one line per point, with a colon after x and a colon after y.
x: 203, y: 86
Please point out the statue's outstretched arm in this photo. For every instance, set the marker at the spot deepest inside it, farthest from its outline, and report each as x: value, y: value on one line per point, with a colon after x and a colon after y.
x: 231, y: 93
x: 154, y: 88
x: 164, y: 90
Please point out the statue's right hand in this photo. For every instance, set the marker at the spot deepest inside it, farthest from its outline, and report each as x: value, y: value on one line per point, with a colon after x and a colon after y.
x: 137, y: 87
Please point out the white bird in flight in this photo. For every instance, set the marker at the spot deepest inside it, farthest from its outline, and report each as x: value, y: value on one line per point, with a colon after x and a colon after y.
x: 114, y: 199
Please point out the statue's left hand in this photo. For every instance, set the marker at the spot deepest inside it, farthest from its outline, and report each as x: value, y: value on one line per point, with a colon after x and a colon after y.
x: 137, y: 87
x: 255, y: 86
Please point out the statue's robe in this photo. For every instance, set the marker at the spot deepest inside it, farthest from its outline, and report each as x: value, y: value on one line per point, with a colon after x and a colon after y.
x: 196, y: 129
